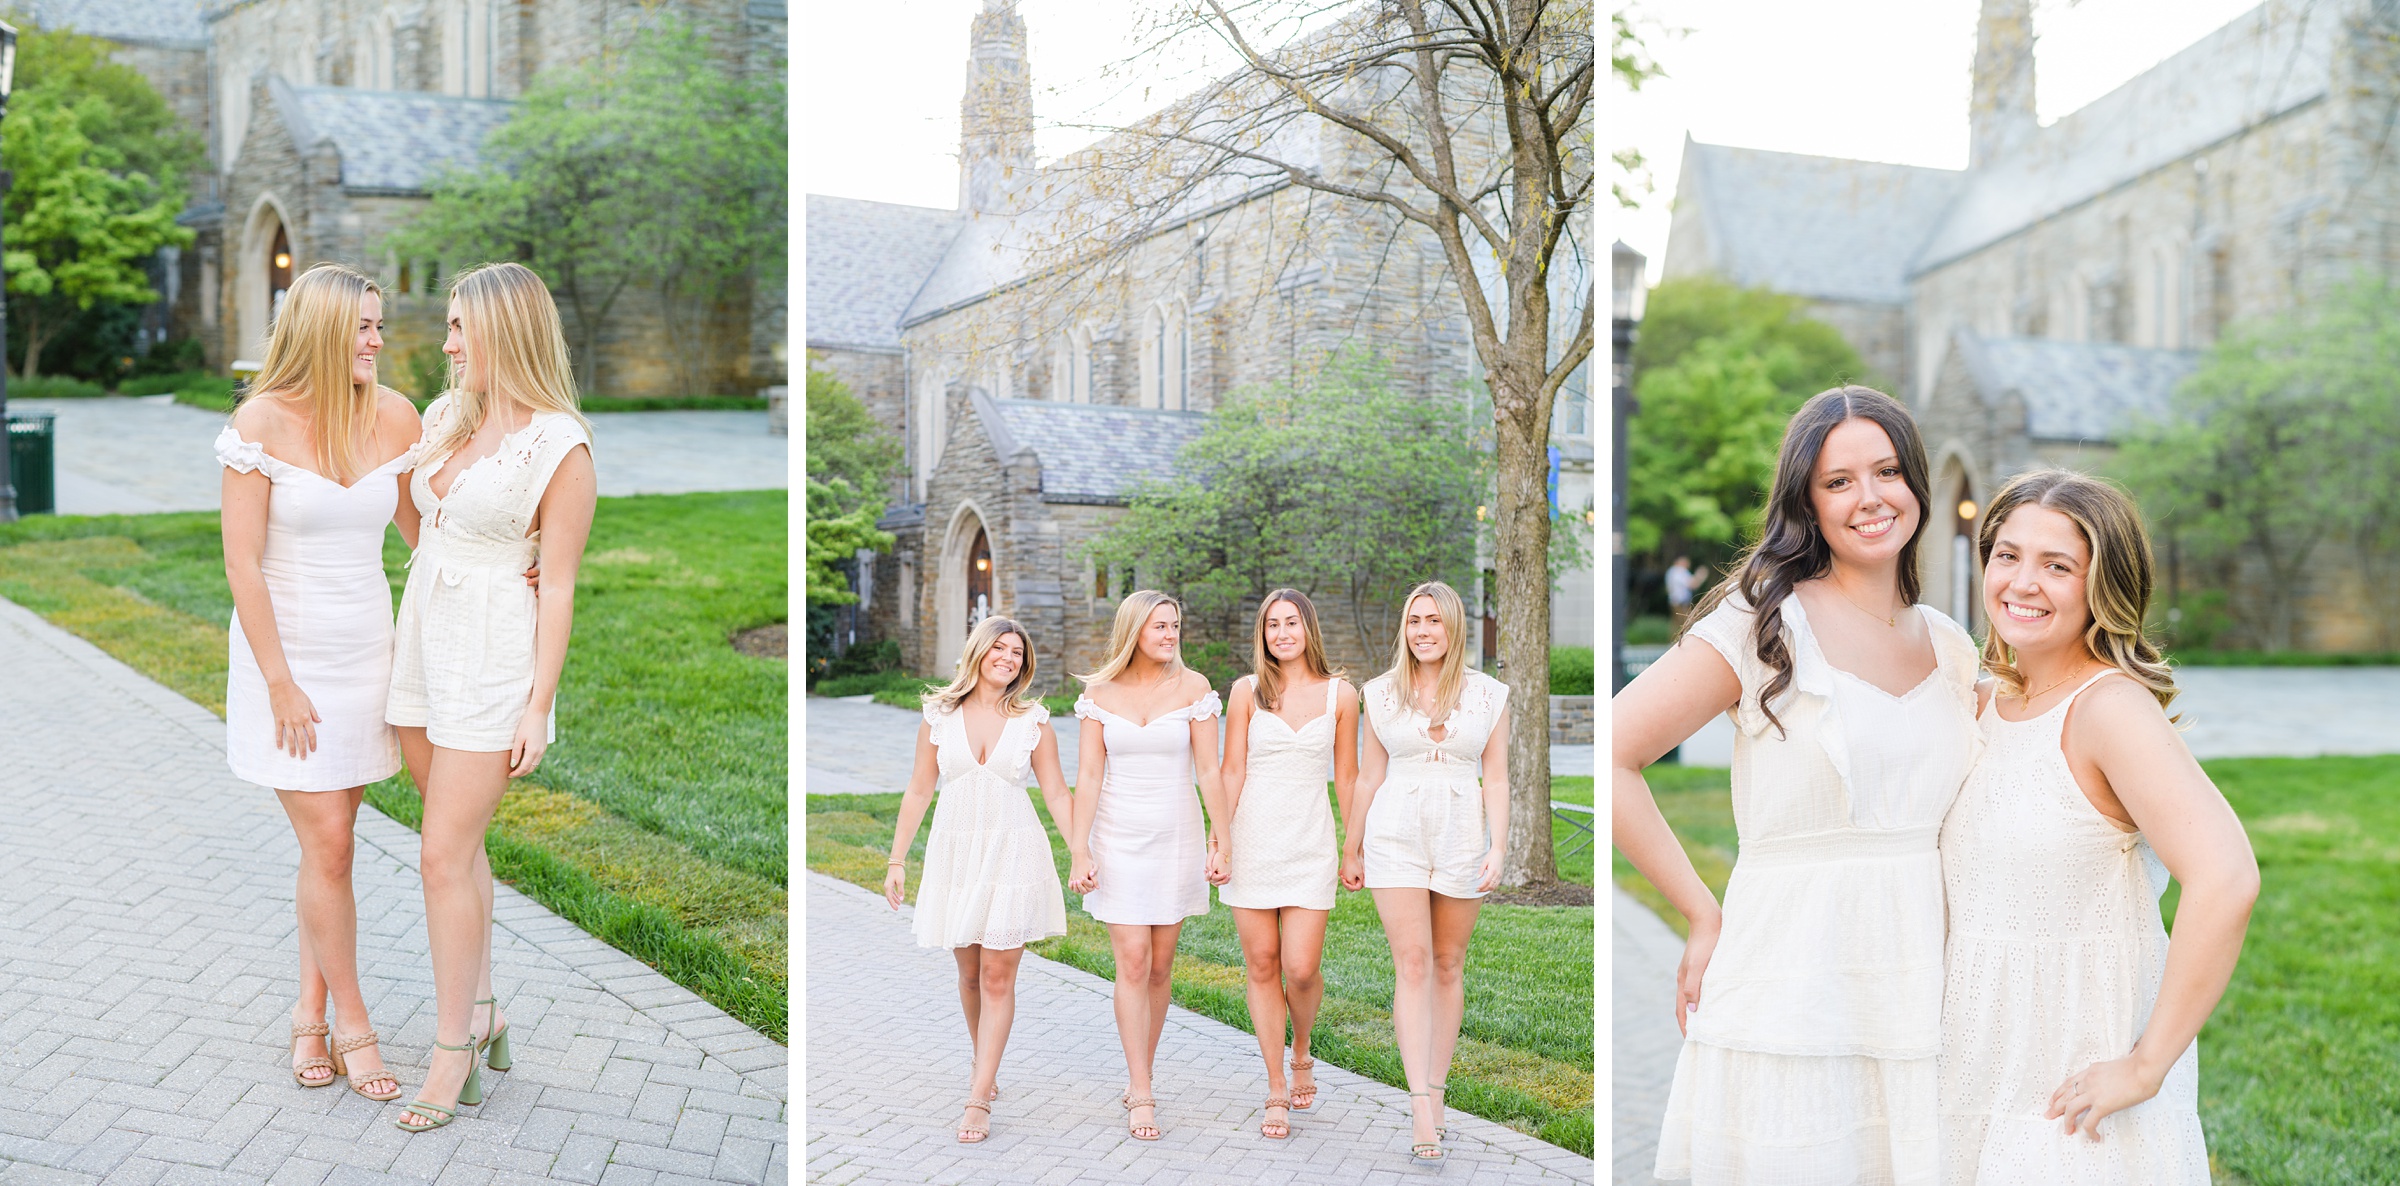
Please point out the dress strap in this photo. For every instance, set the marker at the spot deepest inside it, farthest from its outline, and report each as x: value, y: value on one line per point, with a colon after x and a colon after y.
x: 2097, y: 676
x: 1332, y: 687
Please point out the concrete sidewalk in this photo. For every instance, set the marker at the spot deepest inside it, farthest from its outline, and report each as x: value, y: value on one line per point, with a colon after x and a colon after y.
x: 889, y: 1063
x: 147, y: 950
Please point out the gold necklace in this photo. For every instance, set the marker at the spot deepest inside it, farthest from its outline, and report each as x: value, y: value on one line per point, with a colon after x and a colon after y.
x: 1892, y: 621
x: 2052, y: 686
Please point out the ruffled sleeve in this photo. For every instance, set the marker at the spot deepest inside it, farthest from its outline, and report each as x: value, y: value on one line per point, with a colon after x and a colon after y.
x: 1086, y: 710
x: 240, y: 456
x: 1207, y: 707
x: 933, y: 715
x: 1039, y: 713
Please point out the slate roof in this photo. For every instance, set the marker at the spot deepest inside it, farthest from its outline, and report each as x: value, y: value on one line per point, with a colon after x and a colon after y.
x: 176, y: 24
x: 2270, y: 60
x: 1091, y: 453
x: 865, y: 261
x: 390, y: 141
x: 2075, y: 391
x: 1814, y: 226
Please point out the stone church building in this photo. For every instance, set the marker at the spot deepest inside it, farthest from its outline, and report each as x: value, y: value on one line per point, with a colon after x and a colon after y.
x: 1030, y: 407
x: 326, y: 120
x: 2069, y: 277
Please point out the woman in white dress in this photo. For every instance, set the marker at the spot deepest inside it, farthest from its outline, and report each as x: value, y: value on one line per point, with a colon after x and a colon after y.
x: 1150, y: 731
x: 1811, y: 1004
x: 504, y: 478
x: 2069, y: 1021
x: 314, y: 460
x: 1285, y: 861
x: 1425, y: 837
x: 991, y: 884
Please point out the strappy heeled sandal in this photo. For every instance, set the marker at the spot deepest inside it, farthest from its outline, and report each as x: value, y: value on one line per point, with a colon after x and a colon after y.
x: 342, y: 1046
x: 470, y: 1092
x: 976, y: 1136
x: 315, y: 1029
x: 1266, y: 1127
x: 1304, y: 1095
x: 494, y: 1040
x: 1135, y: 1130
x: 1427, y: 1151
x: 1441, y: 1112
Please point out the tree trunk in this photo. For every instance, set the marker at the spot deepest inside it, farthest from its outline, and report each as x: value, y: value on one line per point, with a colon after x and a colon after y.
x: 1522, y: 556
x: 34, y: 339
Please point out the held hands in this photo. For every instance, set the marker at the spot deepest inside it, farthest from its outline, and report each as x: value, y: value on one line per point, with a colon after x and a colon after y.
x: 1696, y: 952
x: 1354, y: 870
x: 1220, y: 866
x: 2092, y: 1094
x: 295, y: 719
x: 533, y: 738
x: 1082, y: 875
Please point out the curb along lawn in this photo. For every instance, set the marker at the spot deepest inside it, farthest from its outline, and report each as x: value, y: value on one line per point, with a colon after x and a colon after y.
x: 657, y: 823
x: 1525, y: 1056
x: 2298, y: 1078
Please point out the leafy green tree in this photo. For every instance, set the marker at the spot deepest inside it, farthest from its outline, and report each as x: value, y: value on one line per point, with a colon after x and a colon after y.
x: 1343, y: 488
x: 851, y: 463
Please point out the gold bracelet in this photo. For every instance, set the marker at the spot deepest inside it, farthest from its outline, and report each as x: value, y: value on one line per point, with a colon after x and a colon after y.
x: 889, y: 864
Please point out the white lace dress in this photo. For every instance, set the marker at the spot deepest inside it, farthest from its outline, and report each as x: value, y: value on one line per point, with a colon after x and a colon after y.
x: 1425, y: 828
x: 1284, y: 850
x: 323, y: 565
x: 2056, y: 957
x: 991, y: 878
x: 462, y: 663
x: 1811, y: 1059
x: 1149, y: 842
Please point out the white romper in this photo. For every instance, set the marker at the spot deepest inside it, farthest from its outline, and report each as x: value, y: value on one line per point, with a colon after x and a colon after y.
x: 463, y: 655
x: 1426, y: 827
x: 991, y: 877
x: 1811, y: 1059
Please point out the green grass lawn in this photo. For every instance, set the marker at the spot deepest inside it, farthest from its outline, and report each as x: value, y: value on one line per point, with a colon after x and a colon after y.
x: 657, y: 822
x: 2300, y: 1064
x: 1525, y: 1056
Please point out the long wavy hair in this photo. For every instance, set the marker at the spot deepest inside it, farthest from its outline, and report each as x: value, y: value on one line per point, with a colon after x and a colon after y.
x: 1016, y: 697
x: 1792, y: 548
x: 2116, y: 587
x: 1451, y: 681
x: 1267, y: 667
x: 310, y: 350
x: 509, y: 322
x: 1125, y: 634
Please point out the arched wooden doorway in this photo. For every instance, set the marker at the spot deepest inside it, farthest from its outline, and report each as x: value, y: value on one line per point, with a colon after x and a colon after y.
x: 279, y: 272
x: 979, y: 579
x: 1963, y: 512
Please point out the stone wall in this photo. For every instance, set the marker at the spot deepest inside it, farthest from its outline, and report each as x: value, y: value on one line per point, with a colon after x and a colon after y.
x: 1571, y: 720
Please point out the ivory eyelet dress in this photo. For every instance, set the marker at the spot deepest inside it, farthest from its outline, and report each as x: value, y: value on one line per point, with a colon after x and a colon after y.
x: 1284, y: 850
x: 1148, y: 841
x: 1425, y: 828
x: 990, y: 876
x: 2056, y: 958
x: 462, y: 666
x: 1811, y: 1059
x: 323, y: 565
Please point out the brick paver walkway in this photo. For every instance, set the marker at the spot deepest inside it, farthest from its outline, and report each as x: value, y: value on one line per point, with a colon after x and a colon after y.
x: 146, y: 966
x: 888, y: 1065
x: 1643, y: 1038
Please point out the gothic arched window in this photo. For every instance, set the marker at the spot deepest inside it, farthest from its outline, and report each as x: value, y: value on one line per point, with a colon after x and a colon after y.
x: 1166, y: 354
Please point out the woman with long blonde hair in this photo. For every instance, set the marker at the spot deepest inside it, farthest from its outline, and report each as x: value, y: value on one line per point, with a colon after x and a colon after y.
x: 1426, y: 837
x: 504, y: 478
x: 991, y: 883
x: 1286, y: 862
x: 2069, y: 1020
x: 314, y: 460
x: 1150, y: 731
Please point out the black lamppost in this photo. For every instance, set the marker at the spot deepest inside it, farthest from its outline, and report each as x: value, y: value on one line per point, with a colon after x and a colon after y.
x: 8, y: 483
x: 1625, y: 291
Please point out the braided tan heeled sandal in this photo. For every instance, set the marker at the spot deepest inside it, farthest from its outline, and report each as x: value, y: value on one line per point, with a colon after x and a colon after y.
x: 975, y: 1136
x: 342, y: 1046
x: 1269, y: 1127
x: 1135, y: 1130
x: 1427, y: 1151
x: 1304, y: 1095
x: 300, y: 1069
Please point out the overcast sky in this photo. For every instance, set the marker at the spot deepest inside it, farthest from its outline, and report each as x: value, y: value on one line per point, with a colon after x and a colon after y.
x: 1880, y: 80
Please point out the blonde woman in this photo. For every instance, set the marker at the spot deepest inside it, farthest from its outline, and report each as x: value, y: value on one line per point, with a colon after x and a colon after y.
x: 1151, y: 730
x: 314, y: 460
x: 1291, y: 721
x: 504, y: 478
x: 991, y: 883
x: 1426, y: 838
x: 2069, y: 1051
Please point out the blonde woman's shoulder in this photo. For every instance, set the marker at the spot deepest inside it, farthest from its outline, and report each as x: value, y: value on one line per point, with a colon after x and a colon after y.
x: 264, y: 420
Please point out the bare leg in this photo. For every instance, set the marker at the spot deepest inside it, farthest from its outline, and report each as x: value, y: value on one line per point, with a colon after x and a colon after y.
x: 996, y: 984
x: 1304, y: 981
x: 970, y: 994
x: 461, y: 793
x: 416, y: 751
x: 1162, y: 986
x: 328, y: 909
x: 1408, y: 926
x: 1131, y: 944
x: 1262, y: 955
x: 1453, y: 924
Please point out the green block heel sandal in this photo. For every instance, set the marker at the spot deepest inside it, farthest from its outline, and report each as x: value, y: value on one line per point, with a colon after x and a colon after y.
x: 469, y: 1093
x: 496, y: 1041
x: 1425, y: 1151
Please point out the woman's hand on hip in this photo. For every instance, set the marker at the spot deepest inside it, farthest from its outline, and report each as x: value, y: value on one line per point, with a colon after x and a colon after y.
x: 1696, y: 953
x: 295, y: 719
x: 533, y: 739
x: 2090, y: 1095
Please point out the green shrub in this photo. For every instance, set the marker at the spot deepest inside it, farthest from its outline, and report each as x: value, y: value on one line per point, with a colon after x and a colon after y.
x: 864, y: 683
x: 908, y: 693
x: 53, y: 387
x: 1571, y: 671
x: 173, y: 356
x: 210, y: 392
x: 424, y: 372
x: 159, y: 384
x: 1650, y: 630
x: 873, y: 658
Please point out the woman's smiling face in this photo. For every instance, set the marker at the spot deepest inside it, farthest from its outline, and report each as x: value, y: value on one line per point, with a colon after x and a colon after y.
x: 2034, y: 582
x: 1861, y: 498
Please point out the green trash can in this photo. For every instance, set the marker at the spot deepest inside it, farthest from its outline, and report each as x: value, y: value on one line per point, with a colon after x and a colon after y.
x: 32, y: 461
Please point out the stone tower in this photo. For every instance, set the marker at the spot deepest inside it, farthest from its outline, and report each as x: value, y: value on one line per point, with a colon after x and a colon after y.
x: 2002, y: 115
x: 995, y: 118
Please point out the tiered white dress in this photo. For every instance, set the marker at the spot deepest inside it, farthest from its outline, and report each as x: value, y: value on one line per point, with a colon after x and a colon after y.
x: 323, y: 565
x: 2056, y: 957
x: 1425, y: 828
x: 1811, y: 1059
x: 1149, y: 843
x: 462, y: 663
x: 990, y: 878
x: 1284, y: 849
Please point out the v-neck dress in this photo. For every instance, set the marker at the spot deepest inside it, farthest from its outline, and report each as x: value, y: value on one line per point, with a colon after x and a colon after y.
x: 1149, y: 847
x: 463, y: 656
x: 991, y: 878
x: 323, y: 565
x: 1284, y: 850
x: 1811, y: 1059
